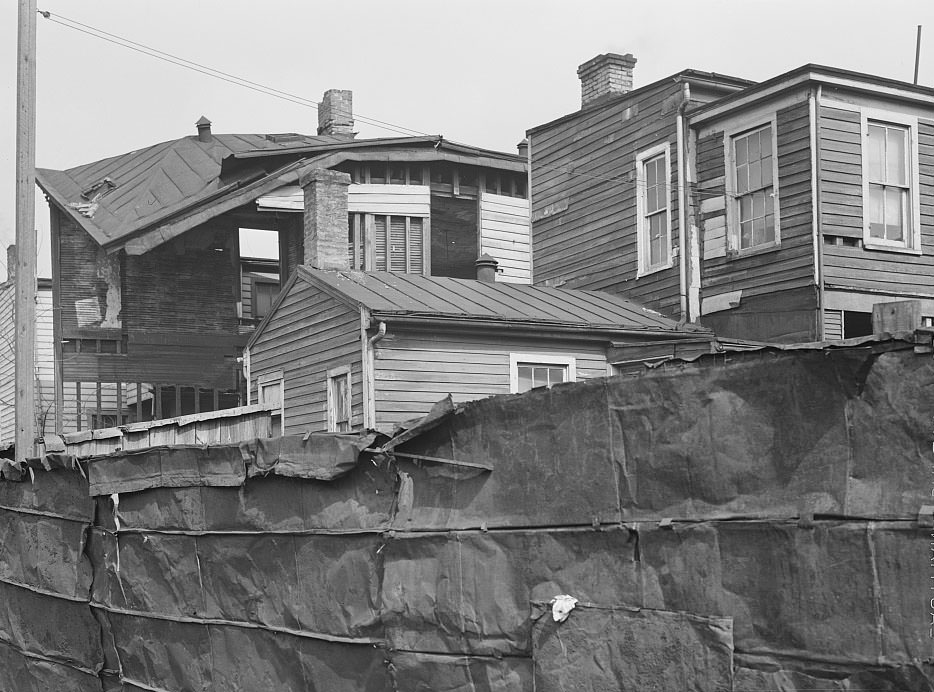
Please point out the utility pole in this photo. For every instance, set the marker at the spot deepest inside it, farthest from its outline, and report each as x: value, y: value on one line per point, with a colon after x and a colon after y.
x: 25, y: 271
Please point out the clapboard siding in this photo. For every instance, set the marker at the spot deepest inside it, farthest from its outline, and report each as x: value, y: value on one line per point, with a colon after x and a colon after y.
x: 842, y: 215
x: 413, y: 370
x: 841, y: 176
x: 790, y: 265
x: 584, y: 197
x: 504, y: 235
x: 310, y: 333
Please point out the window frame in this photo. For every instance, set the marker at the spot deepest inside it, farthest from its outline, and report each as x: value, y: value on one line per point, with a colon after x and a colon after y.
x: 333, y: 374
x: 733, y: 236
x: 361, y: 235
x: 643, y: 242
x: 912, y: 242
x: 546, y: 359
x: 268, y: 379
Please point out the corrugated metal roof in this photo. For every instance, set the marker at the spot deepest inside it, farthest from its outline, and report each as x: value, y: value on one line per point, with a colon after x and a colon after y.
x: 154, y: 182
x: 388, y: 294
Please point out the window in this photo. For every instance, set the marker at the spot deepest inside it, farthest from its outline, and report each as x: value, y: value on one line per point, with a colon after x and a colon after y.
x: 751, y: 184
x: 339, y: 400
x: 270, y: 390
x: 264, y: 293
x: 381, y: 242
x: 891, y: 215
x: 653, y: 175
x: 530, y: 370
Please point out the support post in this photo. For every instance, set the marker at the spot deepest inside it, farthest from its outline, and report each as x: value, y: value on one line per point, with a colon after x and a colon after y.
x: 25, y: 279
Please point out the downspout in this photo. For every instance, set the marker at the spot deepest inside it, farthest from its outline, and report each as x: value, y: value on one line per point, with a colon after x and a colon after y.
x: 682, y: 204
x: 814, y: 107
x: 369, y: 368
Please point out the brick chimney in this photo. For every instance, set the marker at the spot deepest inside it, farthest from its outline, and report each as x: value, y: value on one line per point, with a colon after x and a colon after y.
x: 609, y: 74
x: 335, y: 113
x: 325, y: 218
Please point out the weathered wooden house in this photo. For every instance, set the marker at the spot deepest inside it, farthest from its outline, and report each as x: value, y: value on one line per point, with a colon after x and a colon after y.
x: 348, y: 350
x: 152, y: 298
x: 806, y: 199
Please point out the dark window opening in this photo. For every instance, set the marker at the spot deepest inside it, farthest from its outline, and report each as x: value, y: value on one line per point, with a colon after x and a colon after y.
x: 856, y: 324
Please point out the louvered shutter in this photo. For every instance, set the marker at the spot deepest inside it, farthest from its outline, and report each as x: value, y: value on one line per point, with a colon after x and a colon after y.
x: 379, y: 243
x: 416, y: 246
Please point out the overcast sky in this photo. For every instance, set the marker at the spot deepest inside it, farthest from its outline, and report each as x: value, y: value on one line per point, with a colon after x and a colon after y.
x: 480, y: 73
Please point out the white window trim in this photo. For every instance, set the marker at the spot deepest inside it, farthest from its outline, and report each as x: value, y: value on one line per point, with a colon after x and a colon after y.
x: 729, y: 175
x: 332, y: 411
x: 642, y: 241
x: 539, y: 359
x: 276, y: 376
x: 912, y: 245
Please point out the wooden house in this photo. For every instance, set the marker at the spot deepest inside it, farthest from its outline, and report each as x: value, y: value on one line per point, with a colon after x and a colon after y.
x: 806, y: 200
x: 152, y: 299
x: 348, y: 350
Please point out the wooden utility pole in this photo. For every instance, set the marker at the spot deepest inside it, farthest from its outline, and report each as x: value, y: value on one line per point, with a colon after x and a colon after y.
x: 25, y: 271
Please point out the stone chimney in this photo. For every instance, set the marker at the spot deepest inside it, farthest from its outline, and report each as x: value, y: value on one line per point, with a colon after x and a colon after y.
x: 606, y: 75
x: 335, y: 113
x: 325, y: 218
x: 204, y: 129
x: 486, y: 269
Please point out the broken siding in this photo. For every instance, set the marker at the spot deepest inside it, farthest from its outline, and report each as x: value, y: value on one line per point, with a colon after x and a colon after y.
x: 504, y: 235
x: 413, y: 370
x: 310, y: 333
x: 846, y: 262
x: 584, y: 197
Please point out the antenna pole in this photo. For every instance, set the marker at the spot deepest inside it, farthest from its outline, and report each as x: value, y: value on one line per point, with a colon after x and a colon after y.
x: 917, y: 53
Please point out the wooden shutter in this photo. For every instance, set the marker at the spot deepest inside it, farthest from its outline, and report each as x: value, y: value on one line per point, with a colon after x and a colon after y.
x: 380, y: 244
x: 416, y: 246
x: 397, y: 244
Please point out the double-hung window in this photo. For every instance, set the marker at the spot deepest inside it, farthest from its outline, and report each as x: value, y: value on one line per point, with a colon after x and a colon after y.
x: 530, y: 370
x: 754, y: 204
x: 383, y: 242
x: 653, y: 208
x: 891, y: 218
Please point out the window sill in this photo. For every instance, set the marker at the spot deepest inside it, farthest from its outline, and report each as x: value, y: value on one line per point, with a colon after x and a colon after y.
x: 733, y: 254
x: 890, y: 248
x: 654, y: 270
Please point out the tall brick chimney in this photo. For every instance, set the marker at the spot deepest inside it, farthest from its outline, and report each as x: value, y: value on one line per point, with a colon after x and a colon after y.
x: 335, y: 113
x: 609, y: 74
x: 325, y: 218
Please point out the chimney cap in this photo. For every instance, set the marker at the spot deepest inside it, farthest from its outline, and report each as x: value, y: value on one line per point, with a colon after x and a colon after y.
x: 606, y: 58
x: 204, y: 129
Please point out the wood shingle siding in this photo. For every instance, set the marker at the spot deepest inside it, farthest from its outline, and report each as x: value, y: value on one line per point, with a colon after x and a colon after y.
x: 589, y: 163
x: 312, y: 333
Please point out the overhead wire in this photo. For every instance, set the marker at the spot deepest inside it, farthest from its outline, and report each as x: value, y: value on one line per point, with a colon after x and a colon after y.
x: 67, y: 22
x: 213, y: 72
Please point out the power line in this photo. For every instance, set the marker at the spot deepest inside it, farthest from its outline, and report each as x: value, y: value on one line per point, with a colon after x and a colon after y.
x: 213, y: 72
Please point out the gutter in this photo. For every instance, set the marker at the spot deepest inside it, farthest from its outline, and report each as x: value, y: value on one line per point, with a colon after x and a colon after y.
x: 582, y: 331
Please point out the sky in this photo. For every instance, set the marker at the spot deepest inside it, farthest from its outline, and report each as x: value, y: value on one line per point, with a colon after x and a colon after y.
x: 480, y: 73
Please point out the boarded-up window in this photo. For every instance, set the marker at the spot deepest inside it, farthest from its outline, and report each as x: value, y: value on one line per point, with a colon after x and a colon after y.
x: 264, y: 294
x: 380, y: 242
x: 339, y: 400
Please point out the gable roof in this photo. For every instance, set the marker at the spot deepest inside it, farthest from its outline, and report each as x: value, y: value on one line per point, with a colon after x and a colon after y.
x: 169, y: 188
x: 396, y: 297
